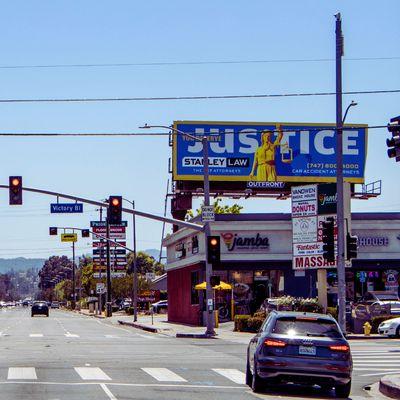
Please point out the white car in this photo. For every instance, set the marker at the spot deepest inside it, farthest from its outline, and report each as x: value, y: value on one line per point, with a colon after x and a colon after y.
x: 390, y: 327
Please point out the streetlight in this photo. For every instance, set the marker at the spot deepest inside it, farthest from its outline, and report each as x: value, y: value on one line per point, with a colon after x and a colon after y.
x: 207, y: 231
x: 135, y: 280
x: 352, y: 104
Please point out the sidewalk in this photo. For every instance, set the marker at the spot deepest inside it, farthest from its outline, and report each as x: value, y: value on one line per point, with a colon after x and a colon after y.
x: 160, y: 324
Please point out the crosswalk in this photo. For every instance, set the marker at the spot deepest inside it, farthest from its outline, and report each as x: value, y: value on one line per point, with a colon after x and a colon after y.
x: 135, y: 375
x: 376, y: 362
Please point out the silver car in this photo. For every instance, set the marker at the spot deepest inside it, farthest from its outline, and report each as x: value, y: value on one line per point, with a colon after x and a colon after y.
x: 303, y: 348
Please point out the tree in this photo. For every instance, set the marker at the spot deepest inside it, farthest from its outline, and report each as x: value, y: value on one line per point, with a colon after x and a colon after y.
x: 63, y: 290
x: 218, y: 209
x: 145, y: 263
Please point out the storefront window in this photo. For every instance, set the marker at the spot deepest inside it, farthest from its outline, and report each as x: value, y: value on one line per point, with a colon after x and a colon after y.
x: 194, y: 298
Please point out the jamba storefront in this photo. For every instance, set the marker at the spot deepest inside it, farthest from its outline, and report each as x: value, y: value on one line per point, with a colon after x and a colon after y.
x: 256, y: 260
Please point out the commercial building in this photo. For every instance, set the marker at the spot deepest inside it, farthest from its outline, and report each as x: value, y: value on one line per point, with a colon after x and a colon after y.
x: 256, y: 258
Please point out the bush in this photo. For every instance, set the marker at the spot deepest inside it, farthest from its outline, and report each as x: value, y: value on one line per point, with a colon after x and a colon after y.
x: 241, y: 323
x: 130, y: 310
x: 376, y: 321
x: 309, y: 305
x: 333, y: 312
x: 254, y: 324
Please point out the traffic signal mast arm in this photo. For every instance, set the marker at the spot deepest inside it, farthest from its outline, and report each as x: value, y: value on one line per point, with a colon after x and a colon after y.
x: 115, y: 243
x: 183, y: 224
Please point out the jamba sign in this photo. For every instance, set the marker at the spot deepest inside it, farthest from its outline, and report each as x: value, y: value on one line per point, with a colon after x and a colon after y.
x: 268, y: 152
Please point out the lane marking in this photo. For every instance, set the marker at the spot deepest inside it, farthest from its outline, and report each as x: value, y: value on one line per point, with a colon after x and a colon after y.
x: 21, y: 373
x: 107, y: 391
x: 92, y: 374
x: 111, y: 336
x: 382, y: 373
x: 70, y: 334
x: 234, y: 375
x: 163, y: 375
x: 374, y: 369
x: 36, y: 335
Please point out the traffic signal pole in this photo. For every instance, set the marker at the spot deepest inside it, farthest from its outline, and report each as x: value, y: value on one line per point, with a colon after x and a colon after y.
x: 108, y: 304
x: 341, y: 273
x: 73, y: 277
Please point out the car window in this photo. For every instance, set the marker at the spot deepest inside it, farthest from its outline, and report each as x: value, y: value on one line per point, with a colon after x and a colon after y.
x: 306, y: 327
x: 390, y: 296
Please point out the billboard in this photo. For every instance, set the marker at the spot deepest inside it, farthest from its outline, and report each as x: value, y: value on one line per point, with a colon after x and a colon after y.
x: 268, y: 152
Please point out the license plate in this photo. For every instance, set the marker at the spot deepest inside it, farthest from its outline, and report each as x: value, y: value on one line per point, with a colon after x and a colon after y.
x: 307, y: 350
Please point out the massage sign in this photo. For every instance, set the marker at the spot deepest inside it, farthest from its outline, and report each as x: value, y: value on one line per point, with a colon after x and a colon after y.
x: 311, y: 205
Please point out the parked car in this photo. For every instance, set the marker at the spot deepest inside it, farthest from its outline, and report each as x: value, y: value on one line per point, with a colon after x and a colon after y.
x: 40, y: 308
x: 55, y: 304
x: 303, y: 348
x: 159, y: 306
x: 390, y: 327
x: 382, y: 299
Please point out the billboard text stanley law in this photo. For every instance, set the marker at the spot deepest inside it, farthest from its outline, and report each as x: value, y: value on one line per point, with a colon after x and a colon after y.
x: 270, y: 151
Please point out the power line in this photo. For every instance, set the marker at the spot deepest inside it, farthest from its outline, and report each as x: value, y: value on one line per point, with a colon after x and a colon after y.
x: 178, y: 63
x: 173, y: 98
x: 133, y: 134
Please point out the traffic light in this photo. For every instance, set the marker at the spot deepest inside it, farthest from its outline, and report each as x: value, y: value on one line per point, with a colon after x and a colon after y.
x: 394, y: 142
x: 53, y: 231
x: 114, y: 210
x: 328, y: 238
x: 215, y: 280
x: 85, y: 233
x: 15, y: 189
x: 213, y: 249
x: 351, y: 246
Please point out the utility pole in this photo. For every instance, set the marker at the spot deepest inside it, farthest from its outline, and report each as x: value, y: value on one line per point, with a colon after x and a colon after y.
x: 108, y: 304
x: 101, y: 265
x: 135, y: 277
x: 339, y: 179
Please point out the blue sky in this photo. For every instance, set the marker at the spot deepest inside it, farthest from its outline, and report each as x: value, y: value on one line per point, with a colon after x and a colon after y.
x: 90, y: 32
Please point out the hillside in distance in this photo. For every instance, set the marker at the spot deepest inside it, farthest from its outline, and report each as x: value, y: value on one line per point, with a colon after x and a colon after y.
x: 20, y: 264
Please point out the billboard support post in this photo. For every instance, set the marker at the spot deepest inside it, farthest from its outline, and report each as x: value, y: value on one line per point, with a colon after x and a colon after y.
x: 108, y: 304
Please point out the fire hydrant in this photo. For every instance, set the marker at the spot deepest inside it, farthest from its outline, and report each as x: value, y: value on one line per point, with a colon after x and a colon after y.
x: 367, y: 328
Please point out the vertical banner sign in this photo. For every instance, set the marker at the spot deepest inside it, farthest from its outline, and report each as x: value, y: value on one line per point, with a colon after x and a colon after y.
x: 311, y: 206
x: 118, y: 257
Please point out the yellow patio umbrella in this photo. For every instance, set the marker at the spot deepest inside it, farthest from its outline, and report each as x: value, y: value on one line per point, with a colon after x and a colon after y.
x: 221, y: 286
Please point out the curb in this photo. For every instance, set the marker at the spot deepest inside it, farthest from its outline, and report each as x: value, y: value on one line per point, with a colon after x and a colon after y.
x: 389, y: 385
x: 195, y: 336
x: 140, y: 326
x: 372, y: 337
x: 91, y: 315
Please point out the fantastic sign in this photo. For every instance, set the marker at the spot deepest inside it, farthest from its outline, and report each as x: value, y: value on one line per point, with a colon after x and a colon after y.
x: 268, y: 152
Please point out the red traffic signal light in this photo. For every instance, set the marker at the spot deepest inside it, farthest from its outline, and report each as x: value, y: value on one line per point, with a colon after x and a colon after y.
x: 213, y: 249
x: 53, y: 231
x: 15, y: 190
x: 85, y: 233
x: 115, y: 210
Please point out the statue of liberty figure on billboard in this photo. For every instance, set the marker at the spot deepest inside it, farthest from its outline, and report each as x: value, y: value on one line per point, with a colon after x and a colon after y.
x: 264, y: 157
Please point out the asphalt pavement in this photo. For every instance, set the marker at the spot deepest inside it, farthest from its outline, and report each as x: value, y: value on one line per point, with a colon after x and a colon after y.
x: 71, y: 356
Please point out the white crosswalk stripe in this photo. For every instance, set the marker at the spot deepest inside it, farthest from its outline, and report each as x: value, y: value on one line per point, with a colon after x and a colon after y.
x: 376, y: 362
x: 36, y: 335
x: 21, y: 373
x: 234, y: 375
x: 71, y: 335
x: 92, y: 374
x: 163, y: 375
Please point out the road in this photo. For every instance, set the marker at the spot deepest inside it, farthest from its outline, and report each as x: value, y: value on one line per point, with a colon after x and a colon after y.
x: 70, y: 356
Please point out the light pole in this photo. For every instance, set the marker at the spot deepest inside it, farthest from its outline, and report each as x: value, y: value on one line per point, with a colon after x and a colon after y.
x: 341, y: 245
x: 135, y: 277
x: 207, y: 231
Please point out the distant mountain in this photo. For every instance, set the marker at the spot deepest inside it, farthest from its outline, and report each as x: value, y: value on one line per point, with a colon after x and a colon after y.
x: 20, y: 264
x: 154, y: 253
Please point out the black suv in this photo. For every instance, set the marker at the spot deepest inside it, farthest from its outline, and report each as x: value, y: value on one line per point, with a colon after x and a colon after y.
x: 40, y: 307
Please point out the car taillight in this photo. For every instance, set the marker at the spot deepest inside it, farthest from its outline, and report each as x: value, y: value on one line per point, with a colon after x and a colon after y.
x: 274, y: 343
x: 342, y: 347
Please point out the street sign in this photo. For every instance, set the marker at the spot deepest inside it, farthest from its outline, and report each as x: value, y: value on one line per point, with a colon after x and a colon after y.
x: 100, y: 224
x: 69, y: 237
x: 100, y: 288
x: 207, y: 214
x: 66, y: 208
x: 104, y: 244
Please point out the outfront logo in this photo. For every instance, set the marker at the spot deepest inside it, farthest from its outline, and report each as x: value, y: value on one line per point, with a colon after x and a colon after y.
x: 234, y: 241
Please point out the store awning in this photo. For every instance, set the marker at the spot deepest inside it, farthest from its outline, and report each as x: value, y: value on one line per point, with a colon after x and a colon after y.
x: 221, y: 286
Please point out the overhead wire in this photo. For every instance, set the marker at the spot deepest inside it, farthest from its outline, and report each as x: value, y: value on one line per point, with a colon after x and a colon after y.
x: 200, y: 62
x: 210, y: 97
